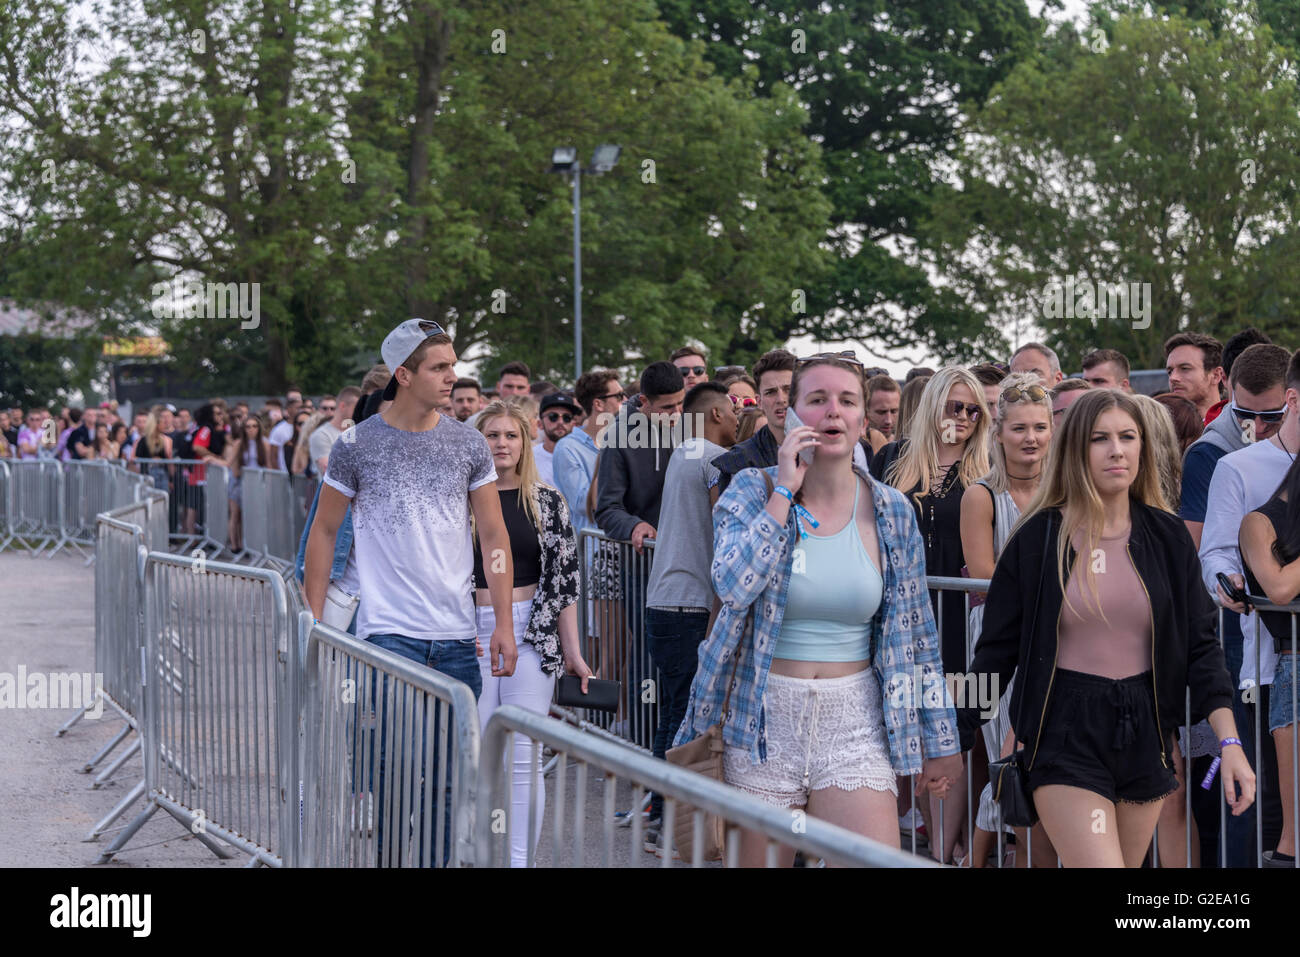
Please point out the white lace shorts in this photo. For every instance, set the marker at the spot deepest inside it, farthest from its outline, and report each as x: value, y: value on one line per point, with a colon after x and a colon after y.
x: 821, y: 733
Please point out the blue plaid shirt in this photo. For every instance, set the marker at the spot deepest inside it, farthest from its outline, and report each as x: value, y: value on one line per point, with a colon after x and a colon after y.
x: 752, y: 559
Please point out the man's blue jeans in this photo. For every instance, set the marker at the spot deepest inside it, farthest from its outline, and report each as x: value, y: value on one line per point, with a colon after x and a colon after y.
x: 673, y: 640
x: 456, y: 659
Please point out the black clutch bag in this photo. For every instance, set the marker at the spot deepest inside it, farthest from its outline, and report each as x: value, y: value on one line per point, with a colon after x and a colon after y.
x: 601, y: 695
x: 1011, y: 791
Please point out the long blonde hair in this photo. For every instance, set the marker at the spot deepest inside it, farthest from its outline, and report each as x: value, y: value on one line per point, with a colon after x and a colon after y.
x: 1067, y: 479
x: 998, y: 480
x: 526, y: 467
x: 1158, y: 426
x: 920, y: 456
x: 302, y: 451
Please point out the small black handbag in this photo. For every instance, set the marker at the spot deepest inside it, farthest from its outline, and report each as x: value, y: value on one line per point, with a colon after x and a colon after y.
x: 1009, y: 776
x: 1010, y: 784
x: 601, y: 695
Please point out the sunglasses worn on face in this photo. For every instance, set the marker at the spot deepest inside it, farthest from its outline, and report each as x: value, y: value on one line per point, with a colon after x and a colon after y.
x: 1268, y: 418
x: 954, y: 407
x: 692, y: 370
x: 554, y: 417
x: 744, y: 402
x: 615, y: 395
x: 1035, y: 393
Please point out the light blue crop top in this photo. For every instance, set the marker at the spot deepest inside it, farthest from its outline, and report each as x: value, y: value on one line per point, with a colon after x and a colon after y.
x: 835, y: 590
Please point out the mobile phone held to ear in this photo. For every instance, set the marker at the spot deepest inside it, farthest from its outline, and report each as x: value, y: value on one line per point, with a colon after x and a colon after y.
x: 1231, y: 590
x: 792, y: 422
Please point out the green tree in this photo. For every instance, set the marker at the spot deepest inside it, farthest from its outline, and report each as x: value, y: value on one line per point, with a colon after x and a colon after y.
x: 366, y: 161
x: 1166, y: 154
x: 886, y: 84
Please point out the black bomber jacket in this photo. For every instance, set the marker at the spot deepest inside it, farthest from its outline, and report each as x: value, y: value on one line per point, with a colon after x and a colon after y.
x: 1022, y: 611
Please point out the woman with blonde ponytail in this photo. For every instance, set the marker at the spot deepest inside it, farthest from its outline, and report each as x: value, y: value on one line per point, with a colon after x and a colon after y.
x: 1096, y: 608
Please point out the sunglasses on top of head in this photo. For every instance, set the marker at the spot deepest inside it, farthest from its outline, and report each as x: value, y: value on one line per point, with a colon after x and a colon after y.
x: 1035, y: 393
x: 848, y: 355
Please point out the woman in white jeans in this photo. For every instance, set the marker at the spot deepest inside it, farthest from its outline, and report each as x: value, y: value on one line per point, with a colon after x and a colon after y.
x: 545, y: 557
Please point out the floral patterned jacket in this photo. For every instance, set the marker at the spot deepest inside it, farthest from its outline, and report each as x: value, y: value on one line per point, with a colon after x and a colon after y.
x: 558, y: 587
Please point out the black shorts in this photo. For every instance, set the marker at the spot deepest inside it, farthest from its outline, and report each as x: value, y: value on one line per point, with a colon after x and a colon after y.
x: 1100, y: 735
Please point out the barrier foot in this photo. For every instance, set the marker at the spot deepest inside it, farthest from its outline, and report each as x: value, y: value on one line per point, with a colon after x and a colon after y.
x: 103, y: 752
x: 67, y: 726
x: 117, y: 763
x: 187, y: 821
x: 137, y: 822
x: 118, y: 810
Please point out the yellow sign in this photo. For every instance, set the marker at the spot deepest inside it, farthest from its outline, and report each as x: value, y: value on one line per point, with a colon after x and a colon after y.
x: 139, y: 347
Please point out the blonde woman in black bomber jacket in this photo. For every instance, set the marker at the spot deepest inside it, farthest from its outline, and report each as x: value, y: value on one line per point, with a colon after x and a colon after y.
x: 1104, y: 649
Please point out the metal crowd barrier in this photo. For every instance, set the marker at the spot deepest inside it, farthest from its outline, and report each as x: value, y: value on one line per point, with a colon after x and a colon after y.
x: 390, y: 756
x: 6, y: 515
x: 198, y: 501
x: 611, y: 626
x: 270, y: 517
x: 615, y: 762
x: 220, y: 731
x: 120, y: 555
x: 36, y: 505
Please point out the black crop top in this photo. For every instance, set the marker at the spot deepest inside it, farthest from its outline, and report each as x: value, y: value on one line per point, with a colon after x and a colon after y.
x: 525, y: 544
x: 1278, y: 623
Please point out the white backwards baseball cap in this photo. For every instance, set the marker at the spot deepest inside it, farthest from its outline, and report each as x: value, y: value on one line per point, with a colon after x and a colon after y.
x: 401, y: 342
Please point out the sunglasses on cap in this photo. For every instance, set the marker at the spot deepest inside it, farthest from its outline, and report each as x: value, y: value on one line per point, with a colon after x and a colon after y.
x: 744, y: 402
x: 431, y: 328
x: 954, y: 408
x: 553, y: 417
x: 1035, y: 393
x: 1268, y: 418
x: 848, y: 355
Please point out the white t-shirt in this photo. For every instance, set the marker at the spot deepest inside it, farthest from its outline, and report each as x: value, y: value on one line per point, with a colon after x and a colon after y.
x: 1243, y: 481
x: 410, y: 521
x: 281, y: 433
x: 545, y: 464
x: 322, y: 440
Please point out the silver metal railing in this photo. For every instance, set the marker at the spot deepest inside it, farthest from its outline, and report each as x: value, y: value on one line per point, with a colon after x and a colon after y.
x: 611, y: 627
x: 390, y: 754
x: 220, y: 735
x: 614, y: 762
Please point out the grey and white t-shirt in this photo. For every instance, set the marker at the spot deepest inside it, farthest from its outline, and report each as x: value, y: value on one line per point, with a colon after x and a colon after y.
x: 410, y: 520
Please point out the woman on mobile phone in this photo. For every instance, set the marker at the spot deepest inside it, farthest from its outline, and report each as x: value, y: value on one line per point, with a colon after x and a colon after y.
x: 826, y: 627
x: 545, y: 602
x: 1096, y: 607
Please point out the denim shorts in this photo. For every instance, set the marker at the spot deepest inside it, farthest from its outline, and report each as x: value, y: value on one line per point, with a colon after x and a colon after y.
x: 1279, y: 694
x: 1100, y: 735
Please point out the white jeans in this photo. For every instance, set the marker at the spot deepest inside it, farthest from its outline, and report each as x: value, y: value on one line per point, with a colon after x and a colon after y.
x: 529, y: 688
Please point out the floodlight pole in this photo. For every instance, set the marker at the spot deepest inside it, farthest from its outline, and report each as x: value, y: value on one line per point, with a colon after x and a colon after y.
x: 577, y: 271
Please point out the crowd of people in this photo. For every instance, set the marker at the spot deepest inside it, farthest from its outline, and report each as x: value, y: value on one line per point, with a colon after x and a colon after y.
x: 793, y: 525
